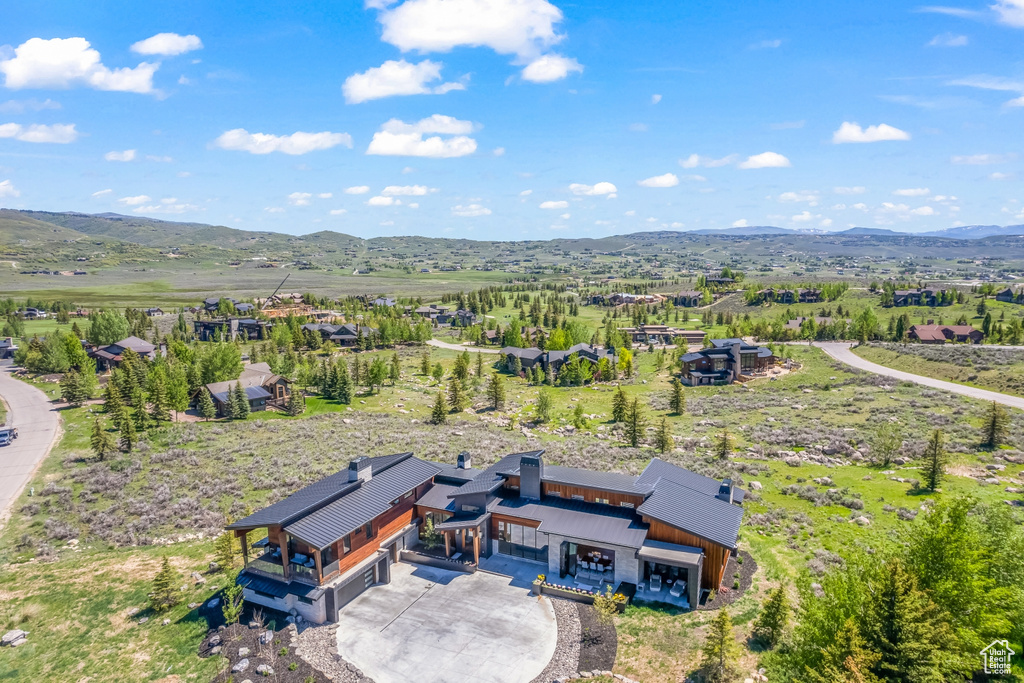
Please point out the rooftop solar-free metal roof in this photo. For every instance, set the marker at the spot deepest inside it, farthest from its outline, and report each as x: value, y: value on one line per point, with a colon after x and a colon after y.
x: 577, y: 519
x: 701, y: 515
x: 604, y: 481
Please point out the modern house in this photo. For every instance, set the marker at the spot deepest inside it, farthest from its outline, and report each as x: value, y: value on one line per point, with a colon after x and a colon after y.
x: 431, y: 311
x: 110, y: 356
x: 917, y: 297
x: 458, y: 318
x: 797, y: 323
x: 529, y: 357
x: 261, y: 385
x: 789, y: 296
x: 30, y: 313
x: 229, y: 329
x: 669, y: 530
x: 7, y: 347
x: 211, y: 303
x: 688, y: 298
x: 153, y: 312
x: 940, y: 334
x: 349, y: 334
x: 726, y: 361
x: 662, y: 334
x: 1011, y: 297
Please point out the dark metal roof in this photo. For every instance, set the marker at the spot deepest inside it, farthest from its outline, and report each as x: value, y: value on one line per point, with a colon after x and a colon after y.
x: 315, y: 495
x: 463, y: 522
x: 372, y: 498
x: 438, y: 497
x: 451, y: 474
x: 530, y: 353
x: 251, y: 393
x: 604, y: 481
x: 577, y: 519
x: 702, y: 515
x: 490, y: 479
x: 278, y: 589
x: 670, y: 553
x: 658, y: 469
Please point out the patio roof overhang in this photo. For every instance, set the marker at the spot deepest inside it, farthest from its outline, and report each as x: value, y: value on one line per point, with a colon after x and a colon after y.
x: 463, y: 523
x: 671, y: 554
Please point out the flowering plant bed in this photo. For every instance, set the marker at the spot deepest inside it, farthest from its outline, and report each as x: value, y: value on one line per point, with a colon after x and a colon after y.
x: 586, y: 596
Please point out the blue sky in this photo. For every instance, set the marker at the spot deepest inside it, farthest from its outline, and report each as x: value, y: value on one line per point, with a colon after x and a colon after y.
x: 516, y: 119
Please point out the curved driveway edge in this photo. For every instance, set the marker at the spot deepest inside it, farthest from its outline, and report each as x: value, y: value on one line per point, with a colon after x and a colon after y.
x: 459, y: 347
x: 38, y: 424
x: 841, y: 352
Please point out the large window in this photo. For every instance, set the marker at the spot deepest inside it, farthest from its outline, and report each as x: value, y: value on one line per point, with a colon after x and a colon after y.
x: 522, y: 541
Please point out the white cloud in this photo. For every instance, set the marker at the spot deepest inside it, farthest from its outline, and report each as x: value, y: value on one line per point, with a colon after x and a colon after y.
x: 852, y: 132
x: 135, y: 201
x: 766, y: 45
x: 982, y: 159
x: 1000, y: 176
x: 299, y: 198
x: 273, y: 209
x: 413, y: 205
x: 692, y: 161
x: 7, y: 189
x: 860, y: 206
x: 858, y: 189
x: 396, y: 78
x: 407, y: 190
x: 397, y: 138
x: 100, y: 193
x: 695, y: 160
x: 889, y: 207
x: 242, y: 140
x: 655, y: 98
x: 126, y: 155
x: 807, y: 196
x: 912, y: 192
x: 380, y: 201
x: 741, y: 223
x: 565, y: 216
x: 471, y: 210
x: 602, y: 188
x: 804, y: 217
x: 948, y: 40
x: 183, y: 80
x: 526, y: 193
x: 826, y: 223
x: 554, y: 205
x: 67, y: 62
x: 358, y: 189
x: 22, y: 106
x: 924, y: 211
x: 666, y: 180
x: 695, y: 178
x: 167, y: 205
x: 549, y: 68
x: 338, y: 212
x: 325, y: 195
x: 159, y: 159
x: 1011, y: 12
x: 58, y: 133
x: 765, y: 160
x: 167, y: 45
x: 631, y: 212
x: 498, y: 151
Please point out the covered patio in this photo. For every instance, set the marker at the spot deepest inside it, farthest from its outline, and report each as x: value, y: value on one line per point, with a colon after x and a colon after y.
x: 671, y: 573
x: 463, y: 536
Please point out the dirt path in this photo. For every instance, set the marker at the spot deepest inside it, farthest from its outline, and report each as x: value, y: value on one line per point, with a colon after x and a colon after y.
x: 459, y: 347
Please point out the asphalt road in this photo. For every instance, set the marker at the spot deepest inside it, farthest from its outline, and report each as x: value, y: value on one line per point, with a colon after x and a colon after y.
x: 38, y: 424
x: 841, y: 352
x: 460, y: 347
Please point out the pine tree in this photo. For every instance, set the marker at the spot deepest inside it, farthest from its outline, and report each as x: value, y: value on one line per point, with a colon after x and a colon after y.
x: 233, y: 605
x: 720, y: 651
x: 996, y: 426
x: 376, y: 373
x: 677, y: 400
x: 139, y: 403
x: 224, y: 551
x: 158, y: 402
x: 663, y: 440
x: 296, y: 403
x: 496, y: 391
x: 620, y: 402
x: 425, y: 363
x: 457, y: 399
x: 438, y: 373
x: 343, y: 390
x: 71, y: 389
x: 934, y: 461
x: 127, y: 438
x: 165, y: 594
x: 112, y: 401
x: 771, y: 622
x: 395, y: 370
x: 636, y: 423
x: 206, y: 408
x: 439, y: 413
x: 101, y: 441
x: 723, y: 445
x: 846, y: 660
x: 479, y: 364
x: 240, y: 401
x: 579, y: 418
x: 543, y: 406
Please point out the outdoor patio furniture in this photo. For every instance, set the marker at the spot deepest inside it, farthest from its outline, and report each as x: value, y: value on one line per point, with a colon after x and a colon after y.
x: 677, y: 589
x: 656, y: 583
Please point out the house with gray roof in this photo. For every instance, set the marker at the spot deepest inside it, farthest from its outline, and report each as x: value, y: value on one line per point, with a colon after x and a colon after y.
x: 110, y: 356
x: 724, y: 362
x: 528, y: 357
x: 261, y: 385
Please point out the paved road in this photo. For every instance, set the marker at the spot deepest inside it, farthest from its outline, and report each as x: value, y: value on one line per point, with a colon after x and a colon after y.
x: 38, y: 426
x: 841, y: 352
x: 460, y: 347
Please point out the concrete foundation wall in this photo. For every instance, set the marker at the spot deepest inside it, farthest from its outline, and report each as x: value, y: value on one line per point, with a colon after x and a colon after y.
x: 316, y: 612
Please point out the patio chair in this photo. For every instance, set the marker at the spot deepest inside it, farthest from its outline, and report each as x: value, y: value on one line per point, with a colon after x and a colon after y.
x: 677, y: 589
x: 656, y: 583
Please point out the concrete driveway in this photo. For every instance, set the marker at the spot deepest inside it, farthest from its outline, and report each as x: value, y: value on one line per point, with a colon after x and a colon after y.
x: 37, y: 421
x: 436, y: 626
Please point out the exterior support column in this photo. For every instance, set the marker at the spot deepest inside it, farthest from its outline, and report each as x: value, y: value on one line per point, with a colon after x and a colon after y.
x: 283, y: 537
x: 447, y: 546
x: 244, y: 537
x: 319, y: 569
x: 476, y: 546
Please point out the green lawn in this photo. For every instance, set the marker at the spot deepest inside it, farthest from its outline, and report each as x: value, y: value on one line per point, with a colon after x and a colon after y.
x: 987, y: 367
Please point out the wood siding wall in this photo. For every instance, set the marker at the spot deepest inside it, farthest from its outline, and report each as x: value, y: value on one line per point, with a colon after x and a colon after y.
x: 715, y: 556
x: 513, y: 520
x: 591, y: 495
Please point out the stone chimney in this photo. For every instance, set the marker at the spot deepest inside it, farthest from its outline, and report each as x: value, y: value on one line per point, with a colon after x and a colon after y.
x: 359, y: 469
x: 531, y: 471
x: 726, y: 491
x: 464, y: 461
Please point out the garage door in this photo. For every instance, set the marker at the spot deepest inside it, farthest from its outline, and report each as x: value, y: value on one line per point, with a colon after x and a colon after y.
x: 348, y: 592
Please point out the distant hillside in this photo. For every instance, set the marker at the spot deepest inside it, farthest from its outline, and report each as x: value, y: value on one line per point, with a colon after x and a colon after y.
x: 749, y: 230
x: 974, y: 232
x: 874, y: 232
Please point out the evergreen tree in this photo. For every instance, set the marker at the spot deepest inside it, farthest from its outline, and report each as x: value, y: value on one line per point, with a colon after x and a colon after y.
x: 165, y: 594
x: 395, y: 370
x: 516, y: 366
x: 343, y: 390
x: 158, y: 402
x: 549, y: 375
x: 206, y: 408
x: 425, y: 363
x: 460, y: 370
x: 438, y: 373
x: 296, y: 403
x: 496, y: 391
x: 101, y: 441
x: 934, y: 461
x: 663, y: 440
x: 224, y: 551
x: 995, y: 427
x: 620, y: 402
x: 886, y: 443
x: 479, y: 364
x: 723, y: 445
x: 846, y: 660
x: 233, y: 605
x: 771, y: 622
x: 139, y: 403
x: 579, y: 418
x: 377, y: 373
x: 543, y: 406
x: 720, y: 651
x: 457, y: 399
x: 357, y: 371
x: 71, y: 389
x: 439, y: 413
x: 127, y: 437
x: 112, y: 401
x: 636, y: 423
x: 677, y: 401
x: 240, y: 402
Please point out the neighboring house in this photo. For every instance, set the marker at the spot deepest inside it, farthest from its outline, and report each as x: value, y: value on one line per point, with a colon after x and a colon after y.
x: 153, y: 312
x: 110, y: 356
x: 334, y: 539
x: 30, y: 313
x: 431, y: 311
x: 726, y: 361
x: 491, y: 337
x: 348, y: 334
x: 458, y: 318
x: 662, y: 334
x: 211, y: 303
x: 689, y: 298
x: 384, y: 301
x: 623, y: 298
x: 7, y: 347
x: 797, y: 323
x: 940, y: 334
x: 528, y: 357
x: 325, y: 329
x: 228, y: 329
x: 261, y: 387
x: 719, y: 282
x: 1011, y: 297
x: 245, y: 308
x: 789, y: 296
x: 916, y: 297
